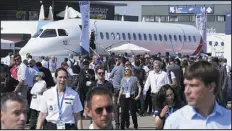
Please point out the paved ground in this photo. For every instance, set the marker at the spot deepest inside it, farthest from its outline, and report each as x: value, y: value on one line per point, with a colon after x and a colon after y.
x: 146, y: 122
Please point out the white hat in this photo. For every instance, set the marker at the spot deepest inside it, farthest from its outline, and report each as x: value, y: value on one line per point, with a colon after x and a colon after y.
x: 41, y: 74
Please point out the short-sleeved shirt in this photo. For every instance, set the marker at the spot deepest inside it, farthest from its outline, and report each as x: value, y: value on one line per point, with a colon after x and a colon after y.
x: 71, y: 105
x: 38, y: 87
x: 23, y: 73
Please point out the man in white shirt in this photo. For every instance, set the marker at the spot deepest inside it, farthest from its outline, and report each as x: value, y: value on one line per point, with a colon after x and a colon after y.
x: 22, y: 76
x: 156, y: 79
x: 44, y: 62
x: 60, y: 105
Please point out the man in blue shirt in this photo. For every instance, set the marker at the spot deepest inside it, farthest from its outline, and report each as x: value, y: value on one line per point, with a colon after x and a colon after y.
x: 117, y: 74
x: 202, y: 112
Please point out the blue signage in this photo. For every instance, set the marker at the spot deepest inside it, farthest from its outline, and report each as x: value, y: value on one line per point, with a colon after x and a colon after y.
x: 228, y: 23
x: 190, y: 10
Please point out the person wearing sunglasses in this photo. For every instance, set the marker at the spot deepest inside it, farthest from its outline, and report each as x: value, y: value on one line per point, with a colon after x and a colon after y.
x: 100, y: 108
x: 129, y: 94
x: 101, y: 82
x: 22, y: 76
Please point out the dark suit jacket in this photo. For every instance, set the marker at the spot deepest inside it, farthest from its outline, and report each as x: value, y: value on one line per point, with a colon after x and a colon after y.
x: 223, y: 79
x: 82, y: 79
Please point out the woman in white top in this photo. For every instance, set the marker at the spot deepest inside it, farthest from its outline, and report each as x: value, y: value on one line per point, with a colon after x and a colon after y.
x: 36, y: 91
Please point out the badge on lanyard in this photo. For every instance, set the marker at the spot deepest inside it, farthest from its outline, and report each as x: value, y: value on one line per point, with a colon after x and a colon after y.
x: 60, y: 124
x: 128, y: 95
x: 128, y: 89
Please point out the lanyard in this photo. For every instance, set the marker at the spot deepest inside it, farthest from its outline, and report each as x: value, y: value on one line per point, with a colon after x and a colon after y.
x: 128, y: 85
x: 60, y: 105
x: 169, y: 112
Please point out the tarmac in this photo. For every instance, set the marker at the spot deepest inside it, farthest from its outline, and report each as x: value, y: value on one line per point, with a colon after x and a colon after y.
x: 145, y: 122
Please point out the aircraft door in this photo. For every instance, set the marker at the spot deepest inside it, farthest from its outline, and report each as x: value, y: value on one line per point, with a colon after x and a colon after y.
x: 181, y: 42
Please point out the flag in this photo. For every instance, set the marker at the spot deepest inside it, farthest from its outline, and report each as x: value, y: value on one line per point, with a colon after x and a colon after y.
x: 201, y: 22
x: 228, y: 23
x: 84, y: 40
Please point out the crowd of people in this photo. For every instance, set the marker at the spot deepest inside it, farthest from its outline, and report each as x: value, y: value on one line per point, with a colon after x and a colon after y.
x: 180, y: 92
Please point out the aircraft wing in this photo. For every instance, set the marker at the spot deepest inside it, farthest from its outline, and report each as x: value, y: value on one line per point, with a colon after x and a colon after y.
x: 19, y: 27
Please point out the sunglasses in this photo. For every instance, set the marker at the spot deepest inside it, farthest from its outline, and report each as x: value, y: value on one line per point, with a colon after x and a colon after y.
x: 101, y: 73
x: 109, y: 109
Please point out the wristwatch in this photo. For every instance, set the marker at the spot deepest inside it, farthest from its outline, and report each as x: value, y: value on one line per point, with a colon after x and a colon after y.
x: 162, y: 118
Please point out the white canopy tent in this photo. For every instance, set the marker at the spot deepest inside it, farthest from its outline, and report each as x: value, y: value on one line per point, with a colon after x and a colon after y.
x: 41, y: 13
x: 71, y: 13
x: 50, y: 14
x: 129, y: 48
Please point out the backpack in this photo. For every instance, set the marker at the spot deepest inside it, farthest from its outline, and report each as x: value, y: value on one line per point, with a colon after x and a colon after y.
x: 72, y: 63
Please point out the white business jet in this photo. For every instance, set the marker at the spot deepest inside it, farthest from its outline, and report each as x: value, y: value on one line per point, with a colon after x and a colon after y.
x: 62, y: 37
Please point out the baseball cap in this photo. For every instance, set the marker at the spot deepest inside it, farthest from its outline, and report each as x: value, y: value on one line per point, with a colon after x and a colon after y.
x: 41, y: 74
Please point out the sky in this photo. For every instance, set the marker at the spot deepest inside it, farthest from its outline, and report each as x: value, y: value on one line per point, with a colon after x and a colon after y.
x: 134, y: 7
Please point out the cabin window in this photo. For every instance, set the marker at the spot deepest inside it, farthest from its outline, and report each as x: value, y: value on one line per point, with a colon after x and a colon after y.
x: 112, y: 36
x: 101, y: 35
x: 150, y: 37
x: 129, y: 36
x: 185, y: 39
x: 155, y: 37
x: 210, y: 43
x: 170, y: 37
x: 216, y: 43
x: 62, y: 32
x: 222, y: 43
x: 118, y: 36
x: 107, y: 36
x: 123, y: 36
x: 175, y: 38
x: 145, y: 37
x: 134, y: 35
x: 140, y: 37
x: 48, y: 33
x: 37, y: 33
x: 194, y: 39
x: 160, y: 37
x: 180, y: 38
x: 165, y: 37
x: 189, y: 38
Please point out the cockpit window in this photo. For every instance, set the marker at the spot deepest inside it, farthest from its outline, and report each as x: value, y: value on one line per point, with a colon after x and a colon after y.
x: 37, y: 33
x: 62, y: 32
x: 49, y: 33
